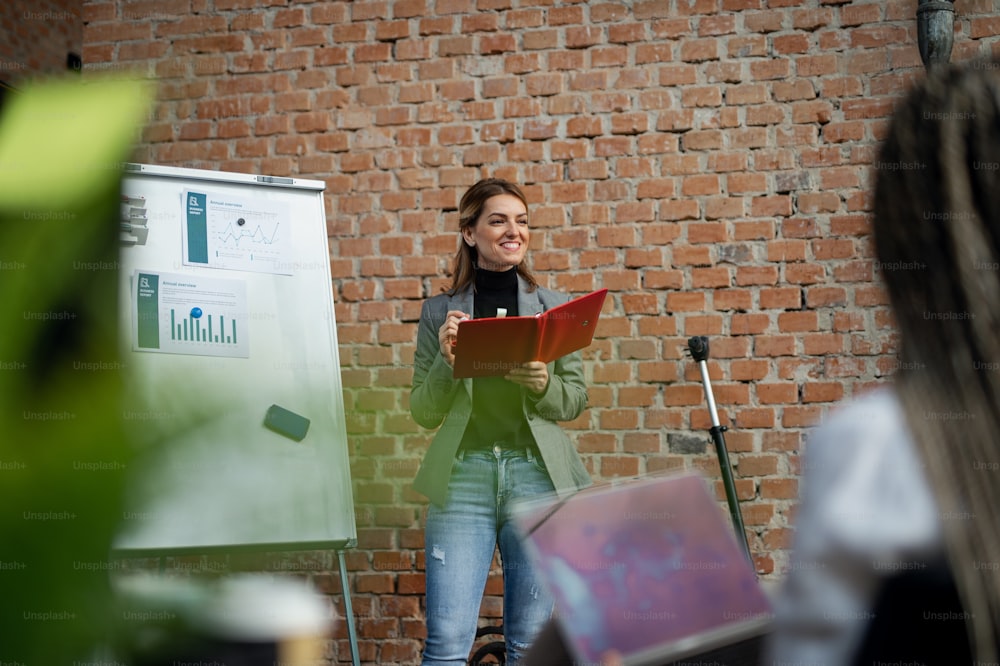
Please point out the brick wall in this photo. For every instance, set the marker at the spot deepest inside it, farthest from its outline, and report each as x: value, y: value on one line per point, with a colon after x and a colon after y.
x: 708, y: 161
x: 37, y: 35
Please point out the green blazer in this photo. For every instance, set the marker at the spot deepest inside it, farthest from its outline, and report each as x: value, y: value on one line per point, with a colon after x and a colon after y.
x: 438, y: 400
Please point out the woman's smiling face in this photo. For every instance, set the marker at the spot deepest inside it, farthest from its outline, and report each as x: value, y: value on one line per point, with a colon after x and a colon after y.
x: 501, y: 234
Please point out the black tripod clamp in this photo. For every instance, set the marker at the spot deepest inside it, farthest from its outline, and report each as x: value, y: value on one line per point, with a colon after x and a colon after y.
x: 698, y: 347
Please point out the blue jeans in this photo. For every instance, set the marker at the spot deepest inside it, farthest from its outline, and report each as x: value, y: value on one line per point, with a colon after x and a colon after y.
x: 460, y: 539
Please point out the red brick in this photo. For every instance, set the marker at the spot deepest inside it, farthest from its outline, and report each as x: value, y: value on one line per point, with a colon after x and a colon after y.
x: 733, y: 299
x: 699, y: 50
x: 691, y: 255
x: 783, y: 345
x: 774, y: 68
x: 818, y: 202
x: 380, y: 583
x: 767, y: 206
x: 745, y: 183
x: 794, y: 43
x: 777, y: 393
x: 801, y: 416
x: 683, y: 395
x: 822, y: 392
x: 753, y: 275
x: 615, y: 466
x: 700, y: 185
x: 759, y: 465
x: 686, y: 302
x: 817, y: 297
x: 760, y: 417
x: 821, y: 344
x: 779, y: 488
x: 798, y: 321
x: 747, y: 46
x: 705, y: 96
x: 805, y: 273
x: 399, y: 652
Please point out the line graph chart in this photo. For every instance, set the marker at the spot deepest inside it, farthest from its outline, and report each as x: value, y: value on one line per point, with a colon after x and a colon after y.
x: 238, y: 234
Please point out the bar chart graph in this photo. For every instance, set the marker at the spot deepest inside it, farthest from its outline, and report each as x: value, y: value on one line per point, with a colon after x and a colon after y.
x: 202, y: 328
x: 183, y: 314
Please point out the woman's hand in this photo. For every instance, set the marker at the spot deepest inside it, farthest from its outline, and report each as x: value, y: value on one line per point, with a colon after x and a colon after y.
x: 448, y: 333
x: 533, y: 375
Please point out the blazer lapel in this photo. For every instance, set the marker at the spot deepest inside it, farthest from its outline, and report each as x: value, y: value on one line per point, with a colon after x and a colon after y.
x: 462, y: 301
x: 528, y: 305
x: 527, y: 301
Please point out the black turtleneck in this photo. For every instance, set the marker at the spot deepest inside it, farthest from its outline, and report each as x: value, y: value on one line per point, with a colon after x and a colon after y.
x: 495, y: 290
x: 497, y: 411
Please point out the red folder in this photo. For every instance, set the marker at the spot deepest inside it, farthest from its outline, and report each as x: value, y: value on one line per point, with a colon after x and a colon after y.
x: 493, y: 346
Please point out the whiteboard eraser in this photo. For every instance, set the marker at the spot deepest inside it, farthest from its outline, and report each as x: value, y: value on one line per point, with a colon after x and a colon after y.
x: 286, y: 422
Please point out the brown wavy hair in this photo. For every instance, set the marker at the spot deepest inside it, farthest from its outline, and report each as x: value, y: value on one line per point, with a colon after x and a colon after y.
x: 936, y: 223
x: 470, y: 208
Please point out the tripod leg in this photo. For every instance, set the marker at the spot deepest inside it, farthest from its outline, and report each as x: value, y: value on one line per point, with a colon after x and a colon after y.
x: 730, y: 486
x: 698, y: 346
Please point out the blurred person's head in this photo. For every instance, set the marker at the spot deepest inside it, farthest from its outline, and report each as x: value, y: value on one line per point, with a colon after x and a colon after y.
x: 936, y: 223
x: 494, y: 228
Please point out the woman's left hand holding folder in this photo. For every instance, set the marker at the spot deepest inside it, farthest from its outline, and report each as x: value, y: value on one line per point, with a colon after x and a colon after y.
x: 533, y: 375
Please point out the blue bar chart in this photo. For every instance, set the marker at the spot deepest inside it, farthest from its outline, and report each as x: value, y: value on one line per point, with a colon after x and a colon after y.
x: 202, y: 328
x: 184, y: 314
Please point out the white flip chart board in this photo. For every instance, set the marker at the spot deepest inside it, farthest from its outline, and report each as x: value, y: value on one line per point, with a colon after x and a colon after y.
x: 230, y: 350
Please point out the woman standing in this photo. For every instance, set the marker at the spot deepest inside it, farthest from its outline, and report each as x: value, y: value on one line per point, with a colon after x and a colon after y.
x: 497, y: 439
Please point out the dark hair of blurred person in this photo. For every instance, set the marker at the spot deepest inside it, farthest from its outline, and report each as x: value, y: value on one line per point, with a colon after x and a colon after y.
x: 945, y: 214
x: 898, y: 532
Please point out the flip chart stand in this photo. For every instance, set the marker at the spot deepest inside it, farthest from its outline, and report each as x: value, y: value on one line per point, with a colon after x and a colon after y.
x: 280, y: 455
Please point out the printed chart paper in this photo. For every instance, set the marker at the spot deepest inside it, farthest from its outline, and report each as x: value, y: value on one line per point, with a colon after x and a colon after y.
x: 236, y: 234
x: 186, y: 314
